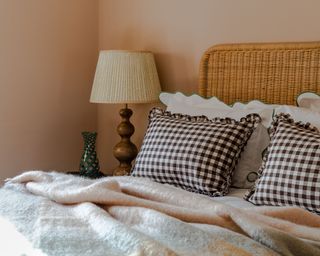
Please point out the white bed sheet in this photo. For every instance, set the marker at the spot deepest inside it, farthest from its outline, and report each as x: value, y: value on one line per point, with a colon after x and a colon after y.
x: 235, y: 198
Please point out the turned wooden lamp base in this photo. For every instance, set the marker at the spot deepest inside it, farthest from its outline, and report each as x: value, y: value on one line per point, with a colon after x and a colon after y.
x: 125, y: 151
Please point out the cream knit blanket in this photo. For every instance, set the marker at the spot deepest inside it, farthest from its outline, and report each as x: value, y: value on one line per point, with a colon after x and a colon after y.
x: 66, y: 215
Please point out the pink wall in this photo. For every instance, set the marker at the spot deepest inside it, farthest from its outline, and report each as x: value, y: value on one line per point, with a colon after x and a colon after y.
x: 178, y: 31
x: 48, y: 55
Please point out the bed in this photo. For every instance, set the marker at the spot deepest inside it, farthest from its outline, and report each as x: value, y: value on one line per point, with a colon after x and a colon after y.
x: 50, y: 213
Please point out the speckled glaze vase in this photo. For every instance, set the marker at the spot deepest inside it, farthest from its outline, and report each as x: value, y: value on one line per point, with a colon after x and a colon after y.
x: 89, y: 163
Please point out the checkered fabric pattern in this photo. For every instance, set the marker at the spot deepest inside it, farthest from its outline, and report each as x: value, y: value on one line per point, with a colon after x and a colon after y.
x: 290, y: 172
x: 193, y: 152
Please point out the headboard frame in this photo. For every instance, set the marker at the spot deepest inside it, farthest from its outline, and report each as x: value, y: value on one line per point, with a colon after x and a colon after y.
x: 271, y: 72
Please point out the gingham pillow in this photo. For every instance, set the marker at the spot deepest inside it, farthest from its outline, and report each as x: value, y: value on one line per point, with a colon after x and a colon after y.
x: 193, y: 152
x: 290, y: 172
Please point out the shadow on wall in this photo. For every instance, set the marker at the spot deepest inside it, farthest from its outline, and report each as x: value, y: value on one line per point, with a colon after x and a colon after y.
x: 177, y: 69
x: 176, y: 72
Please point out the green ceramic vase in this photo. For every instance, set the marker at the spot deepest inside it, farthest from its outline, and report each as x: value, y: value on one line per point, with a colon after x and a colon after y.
x: 89, y: 163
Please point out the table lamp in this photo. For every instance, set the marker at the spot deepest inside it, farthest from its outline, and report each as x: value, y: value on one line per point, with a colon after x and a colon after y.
x: 125, y: 77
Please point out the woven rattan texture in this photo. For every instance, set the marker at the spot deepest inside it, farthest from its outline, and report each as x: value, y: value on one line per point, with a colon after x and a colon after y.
x: 273, y: 73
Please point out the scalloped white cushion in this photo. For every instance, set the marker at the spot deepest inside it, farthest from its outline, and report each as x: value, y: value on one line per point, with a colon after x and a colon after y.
x: 251, y: 158
x: 173, y: 99
x: 309, y: 100
x: 300, y: 114
x: 213, y: 107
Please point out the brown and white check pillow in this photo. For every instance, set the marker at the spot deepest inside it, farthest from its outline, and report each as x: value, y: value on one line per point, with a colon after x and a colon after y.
x: 290, y: 172
x: 193, y: 152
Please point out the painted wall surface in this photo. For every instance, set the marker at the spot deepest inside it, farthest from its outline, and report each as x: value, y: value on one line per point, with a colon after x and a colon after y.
x: 179, y: 31
x: 48, y: 52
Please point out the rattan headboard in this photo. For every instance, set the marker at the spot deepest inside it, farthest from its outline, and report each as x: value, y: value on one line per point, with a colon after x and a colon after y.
x: 273, y: 73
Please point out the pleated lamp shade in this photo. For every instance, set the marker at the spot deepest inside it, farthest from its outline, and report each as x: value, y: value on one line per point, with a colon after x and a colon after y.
x: 125, y: 77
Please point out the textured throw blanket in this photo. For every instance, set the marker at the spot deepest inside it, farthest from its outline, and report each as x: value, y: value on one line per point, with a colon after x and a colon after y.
x: 61, y: 214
